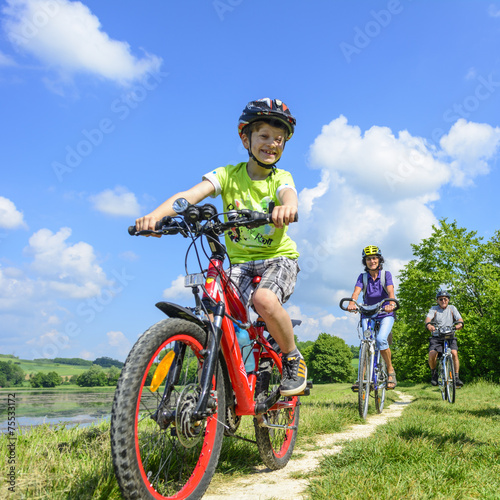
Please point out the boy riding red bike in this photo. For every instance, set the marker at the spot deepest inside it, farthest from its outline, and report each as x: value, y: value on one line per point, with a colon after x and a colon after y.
x: 264, y: 127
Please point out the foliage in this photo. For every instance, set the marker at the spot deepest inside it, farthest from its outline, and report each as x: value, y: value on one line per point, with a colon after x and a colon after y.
x: 72, y: 361
x: 93, y: 377
x: 469, y: 268
x: 113, y: 374
x: 106, y: 362
x: 10, y: 374
x: 51, y: 379
x: 329, y: 360
x: 355, y: 351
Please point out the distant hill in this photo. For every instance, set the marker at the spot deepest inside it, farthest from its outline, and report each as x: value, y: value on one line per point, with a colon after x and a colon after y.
x: 65, y: 367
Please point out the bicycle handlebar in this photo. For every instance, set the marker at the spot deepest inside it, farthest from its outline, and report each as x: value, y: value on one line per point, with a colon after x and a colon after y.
x: 189, y: 221
x: 368, y: 310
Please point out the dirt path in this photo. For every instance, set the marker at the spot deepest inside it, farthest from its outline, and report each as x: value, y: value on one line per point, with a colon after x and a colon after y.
x: 279, y: 484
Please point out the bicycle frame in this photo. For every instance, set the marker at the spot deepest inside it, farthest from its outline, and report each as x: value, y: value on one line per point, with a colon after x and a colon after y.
x: 220, y: 289
x: 372, y: 326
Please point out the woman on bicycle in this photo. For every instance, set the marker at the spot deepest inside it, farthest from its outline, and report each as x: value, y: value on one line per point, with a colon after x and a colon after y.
x: 376, y: 285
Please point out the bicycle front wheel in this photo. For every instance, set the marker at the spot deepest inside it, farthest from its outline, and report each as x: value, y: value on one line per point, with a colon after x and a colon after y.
x: 159, y: 451
x: 381, y: 385
x: 450, y: 379
x: 365, y: 361
x: 441, y: 368
x: 276, y: 430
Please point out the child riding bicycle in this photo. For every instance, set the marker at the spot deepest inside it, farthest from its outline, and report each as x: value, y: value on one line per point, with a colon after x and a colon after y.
x: 442, y: 314
x: 376, y: 285
x: 264, y: 127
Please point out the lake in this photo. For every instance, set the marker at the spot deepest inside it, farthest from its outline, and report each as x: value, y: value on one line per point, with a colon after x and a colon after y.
x: 72, y: 407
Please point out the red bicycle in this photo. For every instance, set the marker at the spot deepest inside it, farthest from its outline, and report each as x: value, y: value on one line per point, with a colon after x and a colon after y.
x: 184, y: 384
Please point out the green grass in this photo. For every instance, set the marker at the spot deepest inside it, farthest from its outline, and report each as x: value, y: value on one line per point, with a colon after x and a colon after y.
x: 31, y: 366
x: 434, y: 450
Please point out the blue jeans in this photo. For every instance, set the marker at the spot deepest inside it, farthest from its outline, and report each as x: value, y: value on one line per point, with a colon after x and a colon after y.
x: 383, y: 333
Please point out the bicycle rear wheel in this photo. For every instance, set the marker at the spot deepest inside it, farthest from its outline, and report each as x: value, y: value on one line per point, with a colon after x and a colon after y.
x: 365, y: 361
x: 381, y: 385
x: 275, y: 444
x: 450, y: 379
x: 159, y: 451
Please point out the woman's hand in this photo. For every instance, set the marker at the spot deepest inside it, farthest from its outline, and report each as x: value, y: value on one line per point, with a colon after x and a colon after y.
x: 352, y: 307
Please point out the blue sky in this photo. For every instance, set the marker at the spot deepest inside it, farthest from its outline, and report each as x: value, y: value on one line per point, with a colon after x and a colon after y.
x: 110, y: 107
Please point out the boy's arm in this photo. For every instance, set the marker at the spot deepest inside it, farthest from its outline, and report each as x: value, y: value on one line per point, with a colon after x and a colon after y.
x: 285, y: 213
x: 194, y: 195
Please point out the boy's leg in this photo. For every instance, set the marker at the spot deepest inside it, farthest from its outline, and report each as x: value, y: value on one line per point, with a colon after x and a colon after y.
x: 276, y: 286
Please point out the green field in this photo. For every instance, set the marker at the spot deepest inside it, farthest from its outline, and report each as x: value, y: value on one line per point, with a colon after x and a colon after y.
x: 30, y: 366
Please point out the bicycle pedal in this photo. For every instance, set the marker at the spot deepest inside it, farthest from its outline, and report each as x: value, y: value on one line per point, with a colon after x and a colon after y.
x: 309, y: 384
x: 305, y: 392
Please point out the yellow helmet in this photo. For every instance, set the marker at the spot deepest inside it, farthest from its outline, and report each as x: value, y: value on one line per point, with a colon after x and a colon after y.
x: 371, y: 250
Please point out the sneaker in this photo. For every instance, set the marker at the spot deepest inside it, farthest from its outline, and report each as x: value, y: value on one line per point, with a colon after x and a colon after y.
x: 434, y: 377
x: 458, y: 382
x: 294, y: 377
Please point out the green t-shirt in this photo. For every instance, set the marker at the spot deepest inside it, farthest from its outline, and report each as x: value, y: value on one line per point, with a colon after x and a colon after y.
x: 240, y: 192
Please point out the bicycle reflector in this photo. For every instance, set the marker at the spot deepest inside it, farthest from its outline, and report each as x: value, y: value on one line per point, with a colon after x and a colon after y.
x: 161, y: 371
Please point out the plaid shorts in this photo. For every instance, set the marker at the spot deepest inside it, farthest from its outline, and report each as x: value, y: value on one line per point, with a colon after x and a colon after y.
x: 278, y: 275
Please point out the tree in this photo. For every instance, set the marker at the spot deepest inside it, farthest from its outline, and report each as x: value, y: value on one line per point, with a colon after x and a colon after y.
x: 330, y: 360
x: 458, y: 260
x: 113, y: 375
x: 93, y: 377
x: 51, y: 379
x: 10, y: 374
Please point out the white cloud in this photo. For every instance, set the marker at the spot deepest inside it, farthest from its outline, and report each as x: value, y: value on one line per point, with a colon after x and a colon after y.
x: 177, y: 290
x: 376, y: 187
x: 10, y: 216
x: 119, y: 342
x: 470, y: 146
x: 6, y: 60
x: 67, y: 36
x: 71, y: 270
x: 117, y: 202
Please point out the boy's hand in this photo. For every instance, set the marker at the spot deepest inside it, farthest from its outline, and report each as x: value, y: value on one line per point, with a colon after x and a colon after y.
x: 147, y: 223
x: 283, y: 215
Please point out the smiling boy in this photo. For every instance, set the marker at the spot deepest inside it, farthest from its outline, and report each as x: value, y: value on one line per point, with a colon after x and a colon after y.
x: 264, y: 127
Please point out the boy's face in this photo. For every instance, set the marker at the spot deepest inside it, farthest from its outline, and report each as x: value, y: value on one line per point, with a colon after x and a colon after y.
x: 267, y: 142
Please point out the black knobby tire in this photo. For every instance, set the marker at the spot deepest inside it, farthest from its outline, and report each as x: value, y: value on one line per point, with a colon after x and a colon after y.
x: 381, y: 385
x: 275, y: 444
x: 442, y: 378
x: 177, y: 456
x: 451, y: 385
x: 364, y: 380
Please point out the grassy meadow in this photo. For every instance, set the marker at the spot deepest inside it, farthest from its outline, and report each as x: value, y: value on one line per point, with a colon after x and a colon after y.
x: 434, y: 450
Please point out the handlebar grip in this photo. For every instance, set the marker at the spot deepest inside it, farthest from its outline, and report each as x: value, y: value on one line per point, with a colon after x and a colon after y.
x: 132, y: 230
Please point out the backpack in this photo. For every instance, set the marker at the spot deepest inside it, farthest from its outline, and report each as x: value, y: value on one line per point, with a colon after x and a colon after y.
x: 365, y: 283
